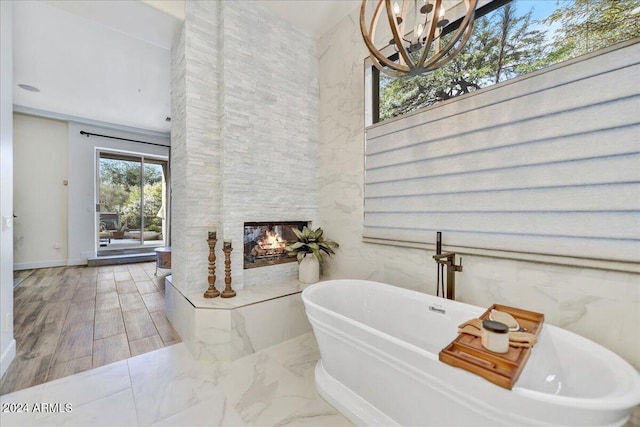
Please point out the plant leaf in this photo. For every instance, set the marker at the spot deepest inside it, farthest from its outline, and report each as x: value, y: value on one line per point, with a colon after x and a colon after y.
x: 295, y: 246
x: 318, y: 255
x: 301, y: 256
x: 326, y: 248
x: 297, y: 233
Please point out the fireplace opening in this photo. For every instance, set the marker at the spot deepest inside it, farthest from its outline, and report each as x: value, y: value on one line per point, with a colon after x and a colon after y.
x: 265, y: 242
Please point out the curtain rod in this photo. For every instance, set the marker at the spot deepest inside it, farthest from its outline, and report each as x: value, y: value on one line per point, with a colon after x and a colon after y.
x: 88, y: 134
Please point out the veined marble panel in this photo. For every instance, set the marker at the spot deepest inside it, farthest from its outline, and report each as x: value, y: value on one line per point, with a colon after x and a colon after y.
x: 258, y: 326
x: 223, y: 329
x: 169, y: 387
x: 278, y: 384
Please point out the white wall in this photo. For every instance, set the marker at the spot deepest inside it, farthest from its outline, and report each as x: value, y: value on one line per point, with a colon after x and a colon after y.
x: 49, y: 151
x: 7, y: 342
x: 39, y: 194
x: 584, y: 300
x: 82, y: 178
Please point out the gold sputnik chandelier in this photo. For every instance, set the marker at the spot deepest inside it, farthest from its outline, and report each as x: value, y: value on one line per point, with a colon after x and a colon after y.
x: 419, y: 47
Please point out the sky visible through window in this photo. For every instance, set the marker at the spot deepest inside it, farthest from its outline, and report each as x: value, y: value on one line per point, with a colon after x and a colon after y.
x: 516, y: 39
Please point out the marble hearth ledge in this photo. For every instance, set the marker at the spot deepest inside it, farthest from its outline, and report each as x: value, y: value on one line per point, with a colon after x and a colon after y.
x: 226, y: 329
x: 248, y: 296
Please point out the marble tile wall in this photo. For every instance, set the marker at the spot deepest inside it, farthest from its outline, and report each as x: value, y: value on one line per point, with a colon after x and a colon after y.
x: 598, y: 304
x: 230, y: 334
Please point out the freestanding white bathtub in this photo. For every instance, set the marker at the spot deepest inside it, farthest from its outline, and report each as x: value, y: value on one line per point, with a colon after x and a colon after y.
x: 379, y: 365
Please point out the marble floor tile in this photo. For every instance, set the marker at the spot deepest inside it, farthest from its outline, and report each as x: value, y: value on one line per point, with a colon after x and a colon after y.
x: 169, y: 381
x: 216, y: 411
x: 168, y: 387
x: 22, y: 418
x: 89, y: 386
x: 115, y: 410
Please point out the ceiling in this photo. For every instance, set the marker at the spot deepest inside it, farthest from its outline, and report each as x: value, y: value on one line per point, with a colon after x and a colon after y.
x: 110, y: 61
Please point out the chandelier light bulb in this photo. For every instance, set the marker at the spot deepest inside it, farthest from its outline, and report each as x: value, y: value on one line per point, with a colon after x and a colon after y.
x: 419, y: 49
x: 442, y: 22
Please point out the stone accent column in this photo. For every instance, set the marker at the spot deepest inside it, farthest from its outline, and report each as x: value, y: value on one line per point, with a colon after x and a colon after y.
x: 244, y: 133
x: 195, y: 142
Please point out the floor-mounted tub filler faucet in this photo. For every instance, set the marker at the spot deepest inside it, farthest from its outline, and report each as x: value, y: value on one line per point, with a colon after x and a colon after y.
x: 447, y: 259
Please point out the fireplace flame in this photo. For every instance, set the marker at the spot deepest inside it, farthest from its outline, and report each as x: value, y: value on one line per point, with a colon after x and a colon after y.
x: 272, y: 240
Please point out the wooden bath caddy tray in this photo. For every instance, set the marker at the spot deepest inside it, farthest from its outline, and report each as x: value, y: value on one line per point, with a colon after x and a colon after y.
x: 503, y: 369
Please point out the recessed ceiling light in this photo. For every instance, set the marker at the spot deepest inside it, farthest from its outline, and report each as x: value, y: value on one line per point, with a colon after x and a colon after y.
x: 29, y: 88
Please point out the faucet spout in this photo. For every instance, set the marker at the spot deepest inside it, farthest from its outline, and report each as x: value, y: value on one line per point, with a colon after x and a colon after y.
x: 447, y: 259
x: 447, y: 255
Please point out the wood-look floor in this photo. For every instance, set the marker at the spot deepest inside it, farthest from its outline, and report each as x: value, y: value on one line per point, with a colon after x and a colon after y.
x: 71, y: 319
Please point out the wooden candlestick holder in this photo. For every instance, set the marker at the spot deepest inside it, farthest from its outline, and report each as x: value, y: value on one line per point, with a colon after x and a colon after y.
x: 212, y: 292
x: 228, y: 291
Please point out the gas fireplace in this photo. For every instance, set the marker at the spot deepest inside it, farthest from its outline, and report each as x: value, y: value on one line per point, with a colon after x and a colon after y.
x: 265, y: 242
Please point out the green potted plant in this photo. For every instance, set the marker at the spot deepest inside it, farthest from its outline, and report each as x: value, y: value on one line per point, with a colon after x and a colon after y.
x: 310, y: 242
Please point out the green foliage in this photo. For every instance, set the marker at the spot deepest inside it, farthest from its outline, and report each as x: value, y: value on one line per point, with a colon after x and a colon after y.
x: 127, y: 173
x: 311, y: 242
x: 120, y: 192
x: 589, y: 25
x: 152, y: 203
x: 506, y: 44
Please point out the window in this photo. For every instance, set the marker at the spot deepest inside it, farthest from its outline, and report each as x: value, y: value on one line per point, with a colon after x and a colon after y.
x: 516, y: 39
x: 542, y: 167
x: 132, y: 196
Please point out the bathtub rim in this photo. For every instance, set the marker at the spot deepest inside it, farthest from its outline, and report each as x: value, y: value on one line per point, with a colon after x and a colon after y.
x: 617, y: 401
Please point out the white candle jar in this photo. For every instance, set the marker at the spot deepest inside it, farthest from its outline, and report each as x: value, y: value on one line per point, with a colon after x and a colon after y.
x: 495, y: 336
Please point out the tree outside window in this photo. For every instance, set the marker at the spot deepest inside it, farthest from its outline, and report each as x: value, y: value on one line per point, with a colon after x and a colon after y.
x: 516, y: 39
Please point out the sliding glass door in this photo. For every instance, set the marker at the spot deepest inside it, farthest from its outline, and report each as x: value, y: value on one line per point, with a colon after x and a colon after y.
x: 132, y: 202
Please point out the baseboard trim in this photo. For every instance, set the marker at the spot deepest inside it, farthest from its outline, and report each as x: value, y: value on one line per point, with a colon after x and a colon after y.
x: 42, y: 264
x: 7, y: 357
